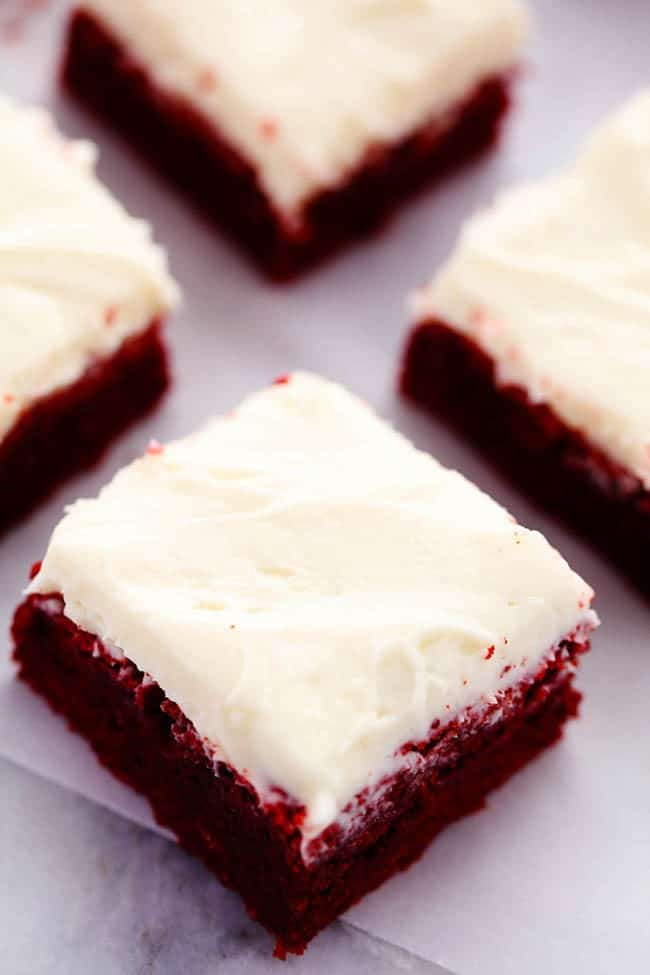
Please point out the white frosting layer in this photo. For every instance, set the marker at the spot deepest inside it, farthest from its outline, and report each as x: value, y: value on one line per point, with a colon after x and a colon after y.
x: 78, y: 275
x: 303, y: 88
x: 554, y: 284
x: 310, y: 589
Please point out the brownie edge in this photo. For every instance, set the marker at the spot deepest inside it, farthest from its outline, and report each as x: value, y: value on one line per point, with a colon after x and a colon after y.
x: 450, y: 376
x: 255, y: 848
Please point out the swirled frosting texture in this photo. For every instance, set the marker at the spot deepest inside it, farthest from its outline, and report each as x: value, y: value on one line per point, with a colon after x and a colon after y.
x: 554, y: 284
x: 304, y: 89
x: 78, y: 275
x: 310, y: 589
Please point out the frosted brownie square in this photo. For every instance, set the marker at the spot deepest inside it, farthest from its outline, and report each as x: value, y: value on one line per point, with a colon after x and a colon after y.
x: 83, y: 291
x: 298, y: 126
x: 307, y: 643
x: 534, y: 339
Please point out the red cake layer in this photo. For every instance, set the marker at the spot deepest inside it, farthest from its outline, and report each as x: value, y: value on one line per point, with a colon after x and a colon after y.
x: 555, y: 464
x: 68, y: 430
x: 146, y: 741
x: 180, y: 143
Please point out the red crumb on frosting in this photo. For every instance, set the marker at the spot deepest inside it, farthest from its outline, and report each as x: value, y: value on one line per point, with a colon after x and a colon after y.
x: 110, y: 315
x: 477, y: 316
x: 155, y: 448
x: 13, y: 29
x: 484, y: 324
x: 208, y: 79
x: 35, y: 569
x: 8, y: 398
x: 282, y: 380
x: 489, y: 653
x: 269, y: 128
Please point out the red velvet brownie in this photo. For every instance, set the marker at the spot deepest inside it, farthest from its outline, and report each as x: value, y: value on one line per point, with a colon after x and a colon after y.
x: 82, y: 293
x: 307, y: 643
x: 534, y: 340
x: 298, y: 127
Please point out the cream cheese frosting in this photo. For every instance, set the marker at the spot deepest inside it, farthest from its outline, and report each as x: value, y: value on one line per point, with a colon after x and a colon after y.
x: 304, y: 89
x: 311, y: 590
x: 78, y: 275
x: 553, y: 283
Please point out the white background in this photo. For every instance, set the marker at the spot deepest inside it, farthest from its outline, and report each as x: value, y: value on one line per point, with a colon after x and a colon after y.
x: 555, y: 876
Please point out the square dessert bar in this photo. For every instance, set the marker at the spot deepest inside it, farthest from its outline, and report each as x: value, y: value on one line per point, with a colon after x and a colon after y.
x: 83, y: 291
x: 307, y: 643
x: 298, y: 126
x: 534, y: 339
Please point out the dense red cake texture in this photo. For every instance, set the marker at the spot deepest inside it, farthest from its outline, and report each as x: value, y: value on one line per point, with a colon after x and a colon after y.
x: 69, y: 429
x: 197, y: 158
x: 449, y: 374
x: 255, y: 847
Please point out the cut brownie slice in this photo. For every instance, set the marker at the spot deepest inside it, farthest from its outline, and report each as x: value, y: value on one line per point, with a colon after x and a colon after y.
x: 307, y: 643
x: 535, y: 339
x: 297, y: 127
x: 83, y: 291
